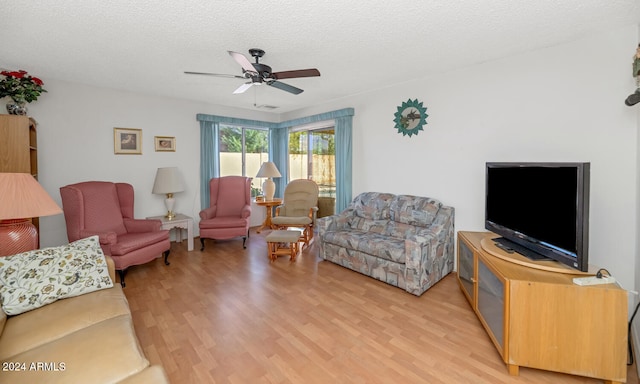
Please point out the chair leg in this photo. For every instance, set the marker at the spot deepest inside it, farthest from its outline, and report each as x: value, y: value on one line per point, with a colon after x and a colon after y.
x: 244, y: 240
x: 202, y: 242
x: 121, y: 273
x: 166, y: 257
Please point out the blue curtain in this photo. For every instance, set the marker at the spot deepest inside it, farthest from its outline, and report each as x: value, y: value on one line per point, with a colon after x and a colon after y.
x: 279, y: 149
x: 278, y: 153
x: 209, y: 167
x: 343, y: 162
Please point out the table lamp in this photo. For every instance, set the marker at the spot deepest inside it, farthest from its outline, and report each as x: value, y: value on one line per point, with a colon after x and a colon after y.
x: 22, y: 198
x: 268, y: 170
x: 168, y: 181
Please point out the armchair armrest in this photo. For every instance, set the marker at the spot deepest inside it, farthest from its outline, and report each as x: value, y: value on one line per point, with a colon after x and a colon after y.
x: 246, y: 211
x: 142, y: 225
x: 334, y: 222
x: 430, y: 252
x: 208, y: 213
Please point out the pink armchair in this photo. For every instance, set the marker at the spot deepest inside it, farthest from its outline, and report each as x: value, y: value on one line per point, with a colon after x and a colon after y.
x: 106, y: 209
x: 229, y: 209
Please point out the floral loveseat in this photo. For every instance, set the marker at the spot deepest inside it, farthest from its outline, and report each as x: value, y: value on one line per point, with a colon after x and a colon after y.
x: 406, y: 241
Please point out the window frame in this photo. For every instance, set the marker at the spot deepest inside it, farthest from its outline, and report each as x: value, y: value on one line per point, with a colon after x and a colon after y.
x: 242, y: 128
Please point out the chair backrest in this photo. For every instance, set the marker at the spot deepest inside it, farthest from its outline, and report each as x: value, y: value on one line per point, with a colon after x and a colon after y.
x: 230, y: 194
x: 96, y: 206
x: 299, y: 196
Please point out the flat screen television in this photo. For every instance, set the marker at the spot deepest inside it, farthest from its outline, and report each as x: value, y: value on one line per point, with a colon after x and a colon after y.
x: 541, y: 210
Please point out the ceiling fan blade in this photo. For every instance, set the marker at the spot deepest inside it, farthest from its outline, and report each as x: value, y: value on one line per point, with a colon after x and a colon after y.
x: 243, y: 61
x: 214, y: 74
x: 243, y: 88
x: 297, y: 73
x: 286, y: 87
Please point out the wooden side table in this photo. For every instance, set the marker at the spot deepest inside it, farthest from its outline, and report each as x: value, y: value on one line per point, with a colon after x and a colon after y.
x: 269, y: 206
x: 179, y: 222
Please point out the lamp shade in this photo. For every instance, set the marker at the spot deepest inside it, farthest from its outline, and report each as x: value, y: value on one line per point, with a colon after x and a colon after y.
x: 168, y: 180
x: 23, y: 197
x: 268, y: 169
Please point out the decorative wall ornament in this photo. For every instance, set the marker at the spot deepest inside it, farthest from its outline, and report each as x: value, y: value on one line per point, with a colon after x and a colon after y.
x: 634, y: 98
x: 410, y: 117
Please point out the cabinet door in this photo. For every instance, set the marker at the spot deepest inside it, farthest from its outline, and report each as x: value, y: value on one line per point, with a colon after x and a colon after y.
x: 465, y: 270
x: 491, y: 304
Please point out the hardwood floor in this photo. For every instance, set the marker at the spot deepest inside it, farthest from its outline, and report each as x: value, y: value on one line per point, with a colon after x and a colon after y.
x: 227, y: 315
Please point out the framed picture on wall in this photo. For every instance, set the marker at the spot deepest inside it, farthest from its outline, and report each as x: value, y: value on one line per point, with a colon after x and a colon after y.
x: 165, y: 144
x: 127, y: 141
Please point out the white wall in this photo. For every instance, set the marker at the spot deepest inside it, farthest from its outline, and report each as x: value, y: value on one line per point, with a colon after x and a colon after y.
x: 75, y: 143
x: 563, y: 103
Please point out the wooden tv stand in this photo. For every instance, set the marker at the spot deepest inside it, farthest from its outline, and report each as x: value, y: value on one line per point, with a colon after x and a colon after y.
x: 537, y: 318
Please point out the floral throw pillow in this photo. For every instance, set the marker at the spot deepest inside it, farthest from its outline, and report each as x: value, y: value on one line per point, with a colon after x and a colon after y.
x: 36, y: 278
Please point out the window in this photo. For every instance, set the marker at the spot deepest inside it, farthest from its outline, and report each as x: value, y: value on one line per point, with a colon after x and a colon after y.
x: 312, y: 156
x: 242, y: 152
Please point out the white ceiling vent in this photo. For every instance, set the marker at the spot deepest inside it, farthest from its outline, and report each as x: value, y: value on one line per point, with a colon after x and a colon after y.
x: 266, y: 106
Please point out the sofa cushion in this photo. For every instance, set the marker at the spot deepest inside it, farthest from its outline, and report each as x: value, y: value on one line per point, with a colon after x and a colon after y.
x: 400, y: 230
x: 222, y: 222
x: 36, y: 278
x: 368, y: 225
x: 372, y: 205
x: 133, y: 241
x: 105, y: 352
x: 414, y: 210
x: 57, y: 320
x: 382, y: 246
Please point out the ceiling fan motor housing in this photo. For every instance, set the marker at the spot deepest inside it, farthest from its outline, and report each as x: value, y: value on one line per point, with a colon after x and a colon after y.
x: 263, y: 70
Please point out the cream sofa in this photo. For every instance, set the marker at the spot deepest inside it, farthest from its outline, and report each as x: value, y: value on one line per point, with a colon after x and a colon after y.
x: 406, y: 241
x: 83, y: 339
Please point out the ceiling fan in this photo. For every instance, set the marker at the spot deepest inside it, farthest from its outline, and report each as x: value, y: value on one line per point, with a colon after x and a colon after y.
x: 258, y: 73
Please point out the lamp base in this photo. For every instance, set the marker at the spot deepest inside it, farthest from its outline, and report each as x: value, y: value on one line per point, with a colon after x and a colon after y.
x: 269, y: 189
x: 17, y: 236
x: 170, y: 202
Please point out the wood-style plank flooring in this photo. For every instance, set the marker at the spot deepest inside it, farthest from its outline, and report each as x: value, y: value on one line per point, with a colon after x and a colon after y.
x: 227, y: 315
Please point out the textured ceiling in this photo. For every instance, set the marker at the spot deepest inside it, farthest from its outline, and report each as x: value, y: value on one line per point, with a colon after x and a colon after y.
x: 145, y: 45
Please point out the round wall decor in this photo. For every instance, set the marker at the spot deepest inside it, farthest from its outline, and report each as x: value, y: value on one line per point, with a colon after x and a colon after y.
x: 410, y: 117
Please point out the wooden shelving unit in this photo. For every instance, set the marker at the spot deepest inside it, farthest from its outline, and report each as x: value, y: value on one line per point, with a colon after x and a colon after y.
x: 19, y: 147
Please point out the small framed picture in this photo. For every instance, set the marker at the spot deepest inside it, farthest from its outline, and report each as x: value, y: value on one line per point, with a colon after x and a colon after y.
x: 127, y: 141
x: 165, y: 144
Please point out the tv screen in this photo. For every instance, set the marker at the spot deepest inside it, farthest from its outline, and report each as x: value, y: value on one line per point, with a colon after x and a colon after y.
x: 540, y: 209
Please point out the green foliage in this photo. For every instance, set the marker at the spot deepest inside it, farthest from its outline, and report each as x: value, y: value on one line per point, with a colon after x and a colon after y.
x: 298, y: 143
x: 255, y: 140
x: 255, y: 191
x: 20, y: 86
